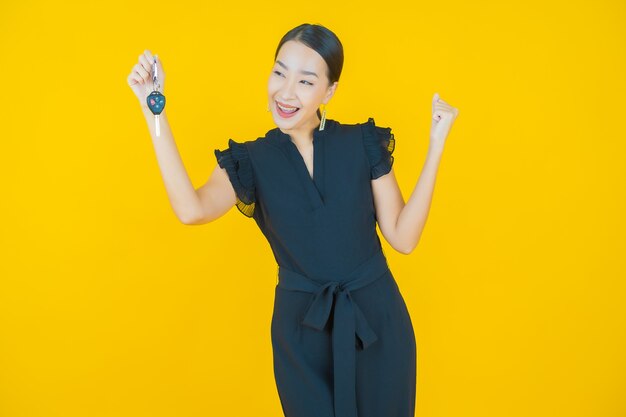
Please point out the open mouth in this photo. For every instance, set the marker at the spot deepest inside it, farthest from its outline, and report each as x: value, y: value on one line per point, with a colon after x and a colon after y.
x: 286, y: 111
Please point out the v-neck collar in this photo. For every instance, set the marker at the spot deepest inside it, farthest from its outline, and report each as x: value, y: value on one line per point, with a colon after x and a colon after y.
x: 314, y: 187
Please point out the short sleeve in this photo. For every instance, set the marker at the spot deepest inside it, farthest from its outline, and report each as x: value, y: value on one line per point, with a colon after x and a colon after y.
x: 379, y: 146
x: 236, y: 160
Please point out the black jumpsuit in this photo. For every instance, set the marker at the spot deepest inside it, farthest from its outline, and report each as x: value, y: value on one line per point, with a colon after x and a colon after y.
x: 342, y: 338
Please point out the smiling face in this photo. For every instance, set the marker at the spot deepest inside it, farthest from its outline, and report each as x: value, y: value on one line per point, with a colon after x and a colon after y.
x: 298, y: 81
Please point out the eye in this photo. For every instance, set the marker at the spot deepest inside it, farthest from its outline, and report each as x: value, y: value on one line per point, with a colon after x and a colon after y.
x: 280, y: 73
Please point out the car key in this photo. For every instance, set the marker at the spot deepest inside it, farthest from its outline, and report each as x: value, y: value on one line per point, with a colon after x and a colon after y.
x: 156, y: 100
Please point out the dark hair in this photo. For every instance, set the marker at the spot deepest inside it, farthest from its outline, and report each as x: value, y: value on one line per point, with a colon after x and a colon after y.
x: 324, y: 42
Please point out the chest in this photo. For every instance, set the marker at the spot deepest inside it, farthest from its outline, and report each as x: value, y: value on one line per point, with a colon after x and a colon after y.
x: 330, y: 174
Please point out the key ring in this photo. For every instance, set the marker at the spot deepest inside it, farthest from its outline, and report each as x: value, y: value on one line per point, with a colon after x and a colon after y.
x: 155, y: 75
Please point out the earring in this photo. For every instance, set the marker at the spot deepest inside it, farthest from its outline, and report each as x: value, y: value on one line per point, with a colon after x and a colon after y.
x: 323, y: 122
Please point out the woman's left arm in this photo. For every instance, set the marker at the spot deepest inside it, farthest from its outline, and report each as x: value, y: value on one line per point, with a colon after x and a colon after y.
x: 402, y: 223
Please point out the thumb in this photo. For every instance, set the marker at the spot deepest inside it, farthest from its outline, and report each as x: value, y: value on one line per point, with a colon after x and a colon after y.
x: 435, y: 100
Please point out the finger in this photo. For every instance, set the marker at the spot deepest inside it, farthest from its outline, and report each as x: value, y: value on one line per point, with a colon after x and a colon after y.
x: 143, y: 61
x: 139, y: 69
x: 132, y: 79
x: 148, y: 55
x: 139, y: 78
x: 443, y: 106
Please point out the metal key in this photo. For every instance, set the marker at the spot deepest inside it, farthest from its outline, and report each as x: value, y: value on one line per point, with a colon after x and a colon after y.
x: 156, y: 100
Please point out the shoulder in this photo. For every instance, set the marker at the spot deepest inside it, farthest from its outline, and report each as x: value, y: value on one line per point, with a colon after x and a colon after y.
x: 244, y: 148
x: 268, y: 139
x: 341, y: 129
x: 365, y: 128
x: 379, y: 143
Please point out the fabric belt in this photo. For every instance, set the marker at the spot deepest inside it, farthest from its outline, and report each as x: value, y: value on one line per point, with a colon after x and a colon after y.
x: 348, y: 321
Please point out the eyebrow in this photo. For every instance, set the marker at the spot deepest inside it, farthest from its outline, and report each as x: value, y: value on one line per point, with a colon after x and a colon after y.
x: 302, y: 72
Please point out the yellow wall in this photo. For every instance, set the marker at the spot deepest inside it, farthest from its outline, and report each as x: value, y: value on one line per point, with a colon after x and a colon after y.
x: 109, y: 306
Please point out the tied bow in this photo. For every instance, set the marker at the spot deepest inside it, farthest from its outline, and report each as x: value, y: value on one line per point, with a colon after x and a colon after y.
x: 348, y: 321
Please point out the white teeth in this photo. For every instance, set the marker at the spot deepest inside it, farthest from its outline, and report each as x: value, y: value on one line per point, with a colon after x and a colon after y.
x: 286, y: 110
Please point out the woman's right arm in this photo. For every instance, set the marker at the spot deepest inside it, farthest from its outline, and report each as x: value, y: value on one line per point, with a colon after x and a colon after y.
x: 191, y: 206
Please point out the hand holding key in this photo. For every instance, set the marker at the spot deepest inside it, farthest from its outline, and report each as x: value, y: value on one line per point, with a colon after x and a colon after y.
x: 141, y: 79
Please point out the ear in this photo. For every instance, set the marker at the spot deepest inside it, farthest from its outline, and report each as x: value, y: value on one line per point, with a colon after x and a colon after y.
x: 330, y: 92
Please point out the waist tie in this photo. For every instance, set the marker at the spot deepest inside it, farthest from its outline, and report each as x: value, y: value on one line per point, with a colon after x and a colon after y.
x: 348, y: 321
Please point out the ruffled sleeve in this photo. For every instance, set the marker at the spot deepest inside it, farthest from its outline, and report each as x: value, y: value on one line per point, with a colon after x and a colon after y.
x: 379, y: 146
x: 236, y: 160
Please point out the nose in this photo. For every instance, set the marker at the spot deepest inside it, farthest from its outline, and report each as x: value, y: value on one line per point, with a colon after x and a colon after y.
x: 287, y: 91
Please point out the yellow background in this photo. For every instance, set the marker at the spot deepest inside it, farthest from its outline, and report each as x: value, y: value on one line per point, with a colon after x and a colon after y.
x: 109, y: 306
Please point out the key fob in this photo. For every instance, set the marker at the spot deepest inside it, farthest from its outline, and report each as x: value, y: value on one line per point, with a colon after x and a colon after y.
x: 156, y: 102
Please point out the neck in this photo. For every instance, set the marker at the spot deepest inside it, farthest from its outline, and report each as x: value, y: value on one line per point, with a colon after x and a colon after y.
x: 303, y: 134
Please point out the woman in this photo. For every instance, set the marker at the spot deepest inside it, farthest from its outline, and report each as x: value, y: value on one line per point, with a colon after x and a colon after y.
x: 342, y: 338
